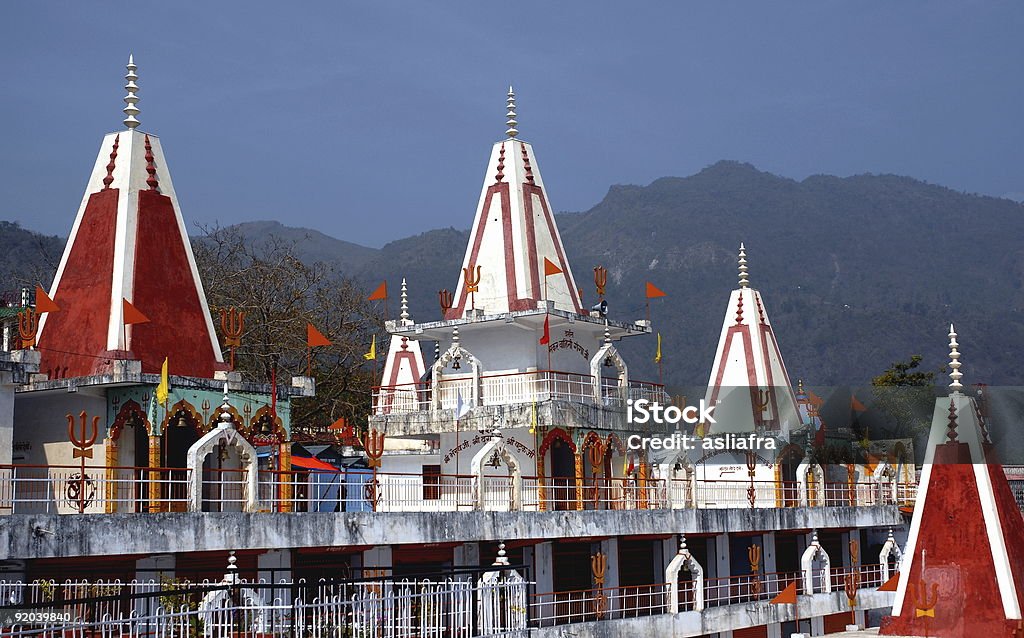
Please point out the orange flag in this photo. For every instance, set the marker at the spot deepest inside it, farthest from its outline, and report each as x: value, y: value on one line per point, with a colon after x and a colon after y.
x: 132, y: 315
x: 891, y: 584
x: 315, y: 338
x: 550, y: 268
x: 653, y: 291
x: 43, y: 302
x: 380, y: 293
x: 787, y: 596
x: 856, y: 405
x: 546, y: 339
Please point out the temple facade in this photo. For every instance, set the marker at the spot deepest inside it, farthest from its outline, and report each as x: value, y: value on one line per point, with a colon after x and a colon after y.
x: 496, y: 488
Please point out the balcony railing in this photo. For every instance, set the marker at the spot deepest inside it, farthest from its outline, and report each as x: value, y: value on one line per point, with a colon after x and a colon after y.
x: 64, y: 490
x: 509, y: 389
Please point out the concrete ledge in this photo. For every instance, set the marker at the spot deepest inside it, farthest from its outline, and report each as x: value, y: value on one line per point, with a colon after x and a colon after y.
x: 717, y: 619
x: 30, y: 536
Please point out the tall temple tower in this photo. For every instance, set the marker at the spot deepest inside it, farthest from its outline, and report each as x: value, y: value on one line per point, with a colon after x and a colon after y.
x: 516, y: 352
x: 749, y: 384
x: 129, y: 250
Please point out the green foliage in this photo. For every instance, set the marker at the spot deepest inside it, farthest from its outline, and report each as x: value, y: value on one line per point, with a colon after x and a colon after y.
x: 906, y: 394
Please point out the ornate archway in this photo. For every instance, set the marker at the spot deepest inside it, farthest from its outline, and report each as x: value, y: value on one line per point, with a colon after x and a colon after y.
x: 229, y: 445
x: 127, y: 455
x: 563, y: 454
x: 495, y: 448
x: 608, y: 356
x: 454, y: 354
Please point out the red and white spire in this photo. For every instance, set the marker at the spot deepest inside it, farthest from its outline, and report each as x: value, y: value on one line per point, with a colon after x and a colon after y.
x: 129, y: 242
x: 967, y: 535
x: 403, y: 368
x: 749, y: 383
x: 513, y: 233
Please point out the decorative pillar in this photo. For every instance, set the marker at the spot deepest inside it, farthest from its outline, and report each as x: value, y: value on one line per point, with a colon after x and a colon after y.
x: 641, y: 478
x: 111, y: 489
x: 154, y: 474
x: 285, y: 487
x: 579, y: 480
x: 541, y: 491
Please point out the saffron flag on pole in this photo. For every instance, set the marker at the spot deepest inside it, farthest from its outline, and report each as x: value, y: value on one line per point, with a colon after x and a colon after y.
x: 546, y: 339
x: 380, y: 293
x: 132, y: 315
x: 43, y: 302
x: 787, y: 596
x: 372, y: 354
x: 315, y: 338
x: 164, y: 388
x: 653, y: 291
x: 657, y: 355
x: 550, y: 268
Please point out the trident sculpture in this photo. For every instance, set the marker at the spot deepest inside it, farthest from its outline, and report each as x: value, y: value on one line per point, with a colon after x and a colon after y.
x: 83, y: 441
x: 595, y: 454
x: 924, y: 605
x: 754, y: 554
x: 373, y: 444
x: 232, y: 323
x: 447, y: 301
x: 472, y: 284
x: 28, y: 323
x: 852, y: 581
x: 599, y: 565
x: 751, y: 471
x: 600, y: 281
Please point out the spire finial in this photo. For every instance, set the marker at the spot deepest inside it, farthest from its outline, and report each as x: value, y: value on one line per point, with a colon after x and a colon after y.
x: 511, y: 122
x: 131, y: 110
x: 744, y: 280
x: 405, y: 303
x: 954, y: 362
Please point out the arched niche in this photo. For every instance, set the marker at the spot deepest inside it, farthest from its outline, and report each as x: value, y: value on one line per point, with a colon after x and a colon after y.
x: 680, y: 476
x: 890, y: 552
x: 128, y: 454
x: 495, y: 446
x: 455, y: 351
x: 684, y: 560
x: 229, y: 448
x: 811, y: 483
x: 815, y: 552
x: 790, y: 490
x: 266, y: 428
x: 605, y: 356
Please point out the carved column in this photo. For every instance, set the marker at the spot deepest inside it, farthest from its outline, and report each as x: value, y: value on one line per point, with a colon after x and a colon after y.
x: 641, y: 479
x: 579, y: 480
x: 111, y: 489
x: 285, y: 492
x: 541, y: 492
x: 155, y: 504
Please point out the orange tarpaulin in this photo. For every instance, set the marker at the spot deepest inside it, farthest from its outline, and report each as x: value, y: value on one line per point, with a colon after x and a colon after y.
x: 310, y: 463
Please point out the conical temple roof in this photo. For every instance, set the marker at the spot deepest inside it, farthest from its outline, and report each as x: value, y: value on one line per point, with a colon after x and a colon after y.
x: 513, y: 233
x: 749, y: 384
x: 965, y: 552
x: 129, y: 243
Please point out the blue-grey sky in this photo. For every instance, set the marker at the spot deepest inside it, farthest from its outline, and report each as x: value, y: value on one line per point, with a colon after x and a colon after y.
x: 371, y: 121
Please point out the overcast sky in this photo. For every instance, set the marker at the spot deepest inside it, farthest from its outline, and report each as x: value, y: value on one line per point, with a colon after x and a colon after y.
x: 371, y: 121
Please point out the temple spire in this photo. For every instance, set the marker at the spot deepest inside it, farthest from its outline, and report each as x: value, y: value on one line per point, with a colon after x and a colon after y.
x: 744, y: 279
x: 131, y: 100
x: 954, y: 362
x: 405, y: 304
x: 511, y: 122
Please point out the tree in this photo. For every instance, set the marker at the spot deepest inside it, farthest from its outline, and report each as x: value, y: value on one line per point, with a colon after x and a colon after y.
x: 906, y: 394
x: 279, y: 295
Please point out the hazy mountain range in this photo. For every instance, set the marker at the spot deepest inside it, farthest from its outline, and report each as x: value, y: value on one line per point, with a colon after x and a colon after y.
x: 856, y: 272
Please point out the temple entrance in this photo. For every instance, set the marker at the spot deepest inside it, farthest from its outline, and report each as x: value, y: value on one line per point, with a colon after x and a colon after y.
x: 181, y: 430
x: 129, y: 475
x: 563, y: 476
x: 788, y: 462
